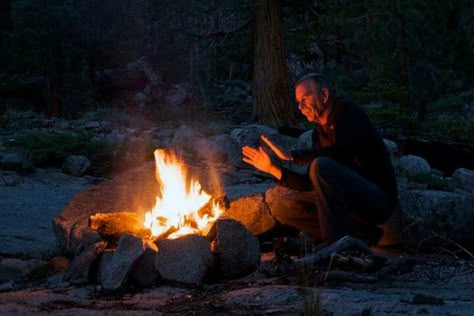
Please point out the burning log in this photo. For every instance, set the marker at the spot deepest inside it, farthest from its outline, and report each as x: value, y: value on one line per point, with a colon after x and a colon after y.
x: 112, y: 225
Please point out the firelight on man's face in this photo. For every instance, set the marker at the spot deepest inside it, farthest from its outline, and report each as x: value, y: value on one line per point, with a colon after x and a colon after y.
x: 310, y: 102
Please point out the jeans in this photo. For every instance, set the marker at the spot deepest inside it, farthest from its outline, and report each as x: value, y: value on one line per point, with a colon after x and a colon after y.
x: 342, y: 202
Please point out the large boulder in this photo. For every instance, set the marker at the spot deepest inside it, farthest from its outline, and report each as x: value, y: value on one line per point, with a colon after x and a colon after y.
x: 238, y: 251
x: 134, y: 190
x: 463, y: 179
x: 253, y: 213
x: 413, y: 165
x: 187, y: 259
x: 449, y: 214
x: 249, y: 135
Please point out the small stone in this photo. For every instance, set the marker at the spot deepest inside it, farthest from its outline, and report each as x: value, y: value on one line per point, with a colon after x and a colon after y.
x: 79, y: 270
x: 129, y: 249
x: 237, y: 249
x: 463, y: 179
x: 186, y: 259
x: 76, y: 165
x: 413, y: 165
x: 12, y: 269
x: 253, y: 212
x: 144, y: 273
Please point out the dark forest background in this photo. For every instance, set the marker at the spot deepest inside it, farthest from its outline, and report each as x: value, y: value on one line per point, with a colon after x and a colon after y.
x: 410, y: 63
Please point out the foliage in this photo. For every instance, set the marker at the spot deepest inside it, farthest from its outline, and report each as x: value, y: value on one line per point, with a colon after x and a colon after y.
x: 392, y: 117
x: 445, y: 128
x: 51, y: 148
x: 433, y: 182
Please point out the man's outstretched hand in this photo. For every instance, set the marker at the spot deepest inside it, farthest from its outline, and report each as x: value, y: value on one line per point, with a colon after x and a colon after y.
x: 283, y: 155
x: 260, y: 160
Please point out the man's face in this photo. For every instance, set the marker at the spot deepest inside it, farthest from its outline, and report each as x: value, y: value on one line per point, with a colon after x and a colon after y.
x: 311, y: 102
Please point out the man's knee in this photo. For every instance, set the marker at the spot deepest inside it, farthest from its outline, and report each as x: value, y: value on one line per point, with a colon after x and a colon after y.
x: 281, y: 209
x: 321, y: 167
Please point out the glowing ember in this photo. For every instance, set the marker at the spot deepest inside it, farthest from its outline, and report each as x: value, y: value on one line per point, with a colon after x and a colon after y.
x: 177, y: 207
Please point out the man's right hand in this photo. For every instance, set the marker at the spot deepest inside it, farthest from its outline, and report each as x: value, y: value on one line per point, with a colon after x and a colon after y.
x: 283, y: 155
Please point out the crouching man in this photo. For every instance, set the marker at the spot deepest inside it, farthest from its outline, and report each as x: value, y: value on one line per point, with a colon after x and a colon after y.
x: 349, y: 187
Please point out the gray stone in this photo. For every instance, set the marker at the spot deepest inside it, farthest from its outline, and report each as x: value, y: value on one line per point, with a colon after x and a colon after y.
x: 105, y: 258
x: 12, y: 269
x: 14, y: 161
x: 238, y: 191
x: 249, y: 135
x: 92, y: 125
x: 227, y: 147
x: 392, y: 148
x: 76, y: 165
x: 10, y: 178
x: 413, y: 165
x: 253, y: 213
x: 79, y: 270
x: 134, y: 190
x: 176, y: 96
x: 129, y: 249
x: 81, y: 236
x: 238, y: 251
x: 463, y: 179
x: 186, y: 259
x: 144, y: 273
x: 186, y: 138
x: 273, y: 193
x: 305, y: 141
x: 450, y: 214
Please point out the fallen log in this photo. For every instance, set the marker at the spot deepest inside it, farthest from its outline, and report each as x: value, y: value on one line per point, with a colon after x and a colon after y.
x: 345, y: 243
x: 112, y: 225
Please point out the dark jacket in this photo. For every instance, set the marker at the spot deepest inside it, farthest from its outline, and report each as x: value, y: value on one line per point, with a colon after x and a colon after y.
x: 350, y: 139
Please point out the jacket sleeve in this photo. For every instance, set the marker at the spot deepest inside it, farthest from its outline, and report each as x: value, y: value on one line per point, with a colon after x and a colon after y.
x: 294, y: 180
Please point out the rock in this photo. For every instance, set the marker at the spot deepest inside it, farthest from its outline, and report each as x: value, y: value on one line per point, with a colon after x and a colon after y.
x: 12, y: 269
x: 229, y: 147
x: 81, y: 237
x: 76, y: 165
x: 186, y: 138
x: 413, y: 165
x: 253, y: 213
x: 176, y: 96
x: 186, y: 259
x: 129, y: 249
x: 237, y: 191
x: 104, y: 260
x: 463, y: 179
x: 7, y: 286
x: 58, y: 264
x: 305, y: 141
x: 274, y: 192
x: 238, y: 251
x: 80, y: 268
x: 140, y: 98
x: 134, y: 190
x: 450, y: 214
x: 392, y: 148
x: 15, y: 161
x: 10, y: 178
x: 92, y: 125
x: 249, y: 135
x: 144, y: 273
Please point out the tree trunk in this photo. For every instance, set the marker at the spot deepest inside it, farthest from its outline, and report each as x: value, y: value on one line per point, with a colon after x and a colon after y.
x: 402, y: 56
x: 271, y: 102
x: 371, y: 56
x: 5, y: 18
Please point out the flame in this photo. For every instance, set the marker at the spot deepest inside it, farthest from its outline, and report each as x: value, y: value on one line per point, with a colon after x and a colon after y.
x: 177, y: 208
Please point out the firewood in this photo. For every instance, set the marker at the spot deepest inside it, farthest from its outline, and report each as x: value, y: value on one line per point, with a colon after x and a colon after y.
x: 345, y: 243
x: 112, y: 225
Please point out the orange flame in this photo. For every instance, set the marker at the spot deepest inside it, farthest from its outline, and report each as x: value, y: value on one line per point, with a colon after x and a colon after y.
x: 177, y: 207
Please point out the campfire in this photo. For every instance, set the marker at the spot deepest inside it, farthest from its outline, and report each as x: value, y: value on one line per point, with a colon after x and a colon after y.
x: 180, y: 208
x: 182, y: 238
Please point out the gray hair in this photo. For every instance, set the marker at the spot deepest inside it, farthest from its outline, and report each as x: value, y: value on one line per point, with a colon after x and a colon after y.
x: 317, y: 78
